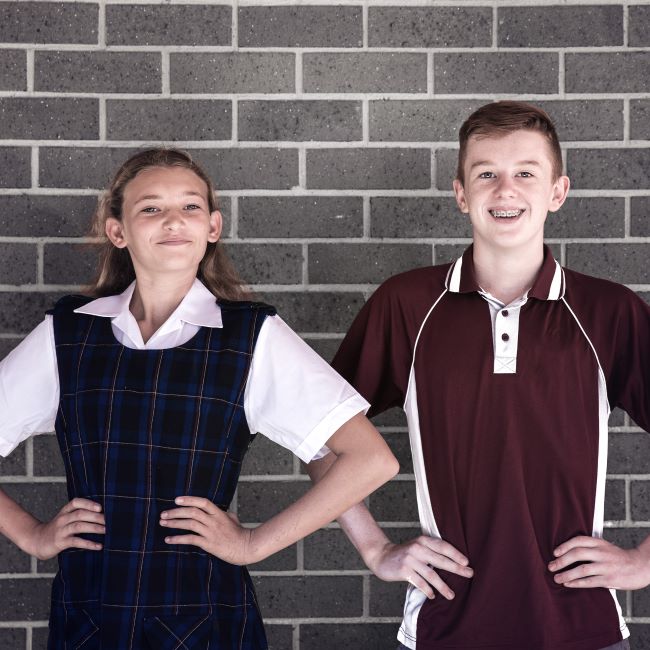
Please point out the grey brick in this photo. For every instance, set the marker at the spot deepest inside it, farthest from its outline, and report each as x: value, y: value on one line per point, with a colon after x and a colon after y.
x: 25, y: 599
x: 329, y: 549
x: 69, y: 263
x: 447, y: 253
x: 609, y: 168
x: 386, y: 598
x: 587, y: 217
x: 300, y: 26
x: 638, y: 21
x: 583, y: 119
x: 298, y: 596
x: 13, y: 70
x: 47, y: 456
x: 98, y: 72
x: 364, y: 72
x: 14, y: 464
x: 641, y: 602
x: 446, y: 162
x: 625, y: 263
x: 268, y: 263
x: 300, y: 216
x: 93, y: 167
x: 30, y: 215
x: 639, y: 118
x: 14, y: 638
x: 369, y: 168
x: 258, y: 501
x: 625, y: 537
x: 395, y: 501
x: 169, y: 119
x: 300, y: 120
x: 363, y: 263
x: 640, y: 500
x: 12, y: 560
x: 581, y: 26
x: 48, y: 22
x: 495, y: 72
x: 267, y: 457
x: 49, y: 118
x: 325, y: 348
x: 323, y: 636
x: 639, y: 635
x: 15, y: 167
x: 429, y: 27
x: 279, y: 637
x: 394, y: 417
x: 6, y: 346
x: 232, y: 72
x: 20, y: 312
x: 617, y: 418
x: 615, y: 500
x: 316, y: 311
x: 168, y: 24
x: 607, y: 72
x: 417, y: 216
x: 18, y: 263
x: 43, y: 500
x: 284, y: 560
x: 628, y: 453
x: 39, y: 638
x: 640, y: 216
x: 418, y: 120
x: 400, y: 446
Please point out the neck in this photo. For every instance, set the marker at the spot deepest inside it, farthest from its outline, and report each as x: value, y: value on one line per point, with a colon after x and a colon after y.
x: 154, y: 301
x: 507, y: 275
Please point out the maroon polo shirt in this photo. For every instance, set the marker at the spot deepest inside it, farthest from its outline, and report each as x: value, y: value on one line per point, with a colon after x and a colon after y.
x: 508, y: 463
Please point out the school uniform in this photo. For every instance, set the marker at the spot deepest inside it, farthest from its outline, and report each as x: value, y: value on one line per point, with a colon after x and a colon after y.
x: 507, y: 409
x: 140, y: 424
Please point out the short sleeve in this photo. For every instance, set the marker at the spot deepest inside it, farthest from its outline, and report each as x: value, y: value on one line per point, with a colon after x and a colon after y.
x: 29, y: 388
x: 293, y: 396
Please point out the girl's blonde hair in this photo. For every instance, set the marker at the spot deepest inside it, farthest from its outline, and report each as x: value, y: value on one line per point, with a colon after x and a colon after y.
x: 115, y: 270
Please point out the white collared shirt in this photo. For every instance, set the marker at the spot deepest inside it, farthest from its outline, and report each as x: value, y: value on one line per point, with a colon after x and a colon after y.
x: 292, y: 395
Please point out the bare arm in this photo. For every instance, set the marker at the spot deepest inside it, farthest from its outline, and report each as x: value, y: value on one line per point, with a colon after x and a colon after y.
x: 45, y: 540
x: 413, y: 561
x: 363, y: 463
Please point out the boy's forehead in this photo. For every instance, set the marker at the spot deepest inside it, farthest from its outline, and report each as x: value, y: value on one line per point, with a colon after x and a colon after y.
x: 523, y: 145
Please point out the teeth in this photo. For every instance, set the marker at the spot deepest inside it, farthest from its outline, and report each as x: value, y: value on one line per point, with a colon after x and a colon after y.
x: 505, y: 214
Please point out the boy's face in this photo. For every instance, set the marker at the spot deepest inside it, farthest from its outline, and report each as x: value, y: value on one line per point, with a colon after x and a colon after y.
x: 509, y: 189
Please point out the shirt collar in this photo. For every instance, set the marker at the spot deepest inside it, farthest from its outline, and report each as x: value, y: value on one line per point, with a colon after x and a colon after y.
x: 549, y: 284
x: 198, y: 307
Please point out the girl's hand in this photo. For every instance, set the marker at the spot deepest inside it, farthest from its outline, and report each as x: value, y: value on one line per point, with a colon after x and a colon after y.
x: 46, y: 540
x: 415, y: 561
x: 214, y: 530
x: 603, y: 564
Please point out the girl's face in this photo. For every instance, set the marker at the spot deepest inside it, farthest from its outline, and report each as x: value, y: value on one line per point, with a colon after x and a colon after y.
x: 166, y: 221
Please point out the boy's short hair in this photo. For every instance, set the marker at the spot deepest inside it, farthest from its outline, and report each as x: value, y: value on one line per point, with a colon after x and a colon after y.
x: 504, y: 117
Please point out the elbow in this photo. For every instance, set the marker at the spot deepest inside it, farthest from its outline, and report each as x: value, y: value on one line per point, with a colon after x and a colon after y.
x: 388, y: 466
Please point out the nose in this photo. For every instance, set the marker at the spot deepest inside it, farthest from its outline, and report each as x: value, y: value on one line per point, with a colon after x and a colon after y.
x: 172, y: 218
x: 505, y: 186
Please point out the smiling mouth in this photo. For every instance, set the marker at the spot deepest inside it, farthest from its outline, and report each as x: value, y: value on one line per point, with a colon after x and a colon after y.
x: 505, y: 214
x: 174, y: 242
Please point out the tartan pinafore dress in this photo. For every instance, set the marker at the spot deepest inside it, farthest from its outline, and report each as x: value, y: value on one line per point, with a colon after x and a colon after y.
x: 138, y: 428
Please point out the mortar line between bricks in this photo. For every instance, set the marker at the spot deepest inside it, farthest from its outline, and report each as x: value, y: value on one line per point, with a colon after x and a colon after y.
x: 40, y: 253
x: 561, y: 71
x: 626, y: 120
x: 295, y: 636
x: 495, y: 26
x: 364, y: 25
x: 34, y: 162
x: 627, y: 211
x: 365, y: 596
x: 29, y: 639
x: 431, y: 82
x: 305, y: 263
x: 25, y: 624
x: 234, y: 23
x: 628, y: 499
x: 302, y: 168
x: 103, y: 129
x: 365, y: 121
x: 30, y: 70
x: 626, y: 24
x: 366, y: 219
x: 335, y: 620
x: 410, y: 3
x: 338, y: 96
x: 234, y: 120
x: 298, y: 72
x: 101, y: 24
x: 165, y: 75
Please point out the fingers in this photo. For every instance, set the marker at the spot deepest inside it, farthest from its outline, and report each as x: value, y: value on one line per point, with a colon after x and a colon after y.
x: 420, y: 583
x: 576, y: 555
x: 581, y: 541
x: 198, y: 502
x: 590, y: 572
x: 443, y: 548
x: 192, y: 540
x: 441, y: 555
x: 79, y: 503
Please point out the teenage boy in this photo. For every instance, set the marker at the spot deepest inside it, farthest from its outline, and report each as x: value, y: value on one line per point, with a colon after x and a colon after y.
x: 507, y: 366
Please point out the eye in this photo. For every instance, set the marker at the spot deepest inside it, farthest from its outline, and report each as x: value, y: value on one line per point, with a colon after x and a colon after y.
x: 192, y: 206
x: 487, y: 175
x: 525, y: 174
x: 149, y: 209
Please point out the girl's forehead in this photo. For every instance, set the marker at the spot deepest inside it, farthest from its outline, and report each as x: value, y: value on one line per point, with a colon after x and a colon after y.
x: 167, y: 177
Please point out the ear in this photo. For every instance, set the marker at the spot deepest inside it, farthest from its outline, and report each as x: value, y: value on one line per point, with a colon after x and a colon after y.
x: 115, y: 232
x: 560, y: 191
x: 216, y: 224
x: 459, y: 191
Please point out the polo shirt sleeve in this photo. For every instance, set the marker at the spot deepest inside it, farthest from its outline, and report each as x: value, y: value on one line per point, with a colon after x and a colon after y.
x: 293, y: 396
x: 29, y: 388
x: 629, y: 359
x: 375, y: 355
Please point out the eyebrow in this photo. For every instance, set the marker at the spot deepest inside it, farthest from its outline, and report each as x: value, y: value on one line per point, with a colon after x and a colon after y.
x: 155, y: 197
x: 489, y: 163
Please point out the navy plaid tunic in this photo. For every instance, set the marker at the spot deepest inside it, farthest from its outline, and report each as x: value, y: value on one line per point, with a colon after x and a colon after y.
x: 138, y: 428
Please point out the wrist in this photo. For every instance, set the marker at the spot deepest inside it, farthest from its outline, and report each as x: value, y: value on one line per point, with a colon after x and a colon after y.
x: 254, y: 545
x: 372, y: 554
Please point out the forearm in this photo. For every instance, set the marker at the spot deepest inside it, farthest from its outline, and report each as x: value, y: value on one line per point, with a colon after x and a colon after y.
x: 362, y: 463
x: 15, y: 522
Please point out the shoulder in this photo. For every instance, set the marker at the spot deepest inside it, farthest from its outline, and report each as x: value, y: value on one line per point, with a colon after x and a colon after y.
x: 599, y: 294
x: 67, y: 304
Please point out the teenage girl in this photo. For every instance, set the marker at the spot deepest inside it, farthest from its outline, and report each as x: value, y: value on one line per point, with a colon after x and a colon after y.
x: 155, y: 385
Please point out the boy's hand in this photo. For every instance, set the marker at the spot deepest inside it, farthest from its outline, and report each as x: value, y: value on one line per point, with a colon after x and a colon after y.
x: 414, y: 562
x: 78, y: 516
x: 604, y: 564
x: 213, y: 530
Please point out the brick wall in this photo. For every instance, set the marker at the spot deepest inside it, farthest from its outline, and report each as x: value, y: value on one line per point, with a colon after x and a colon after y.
x: 331, y: 132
